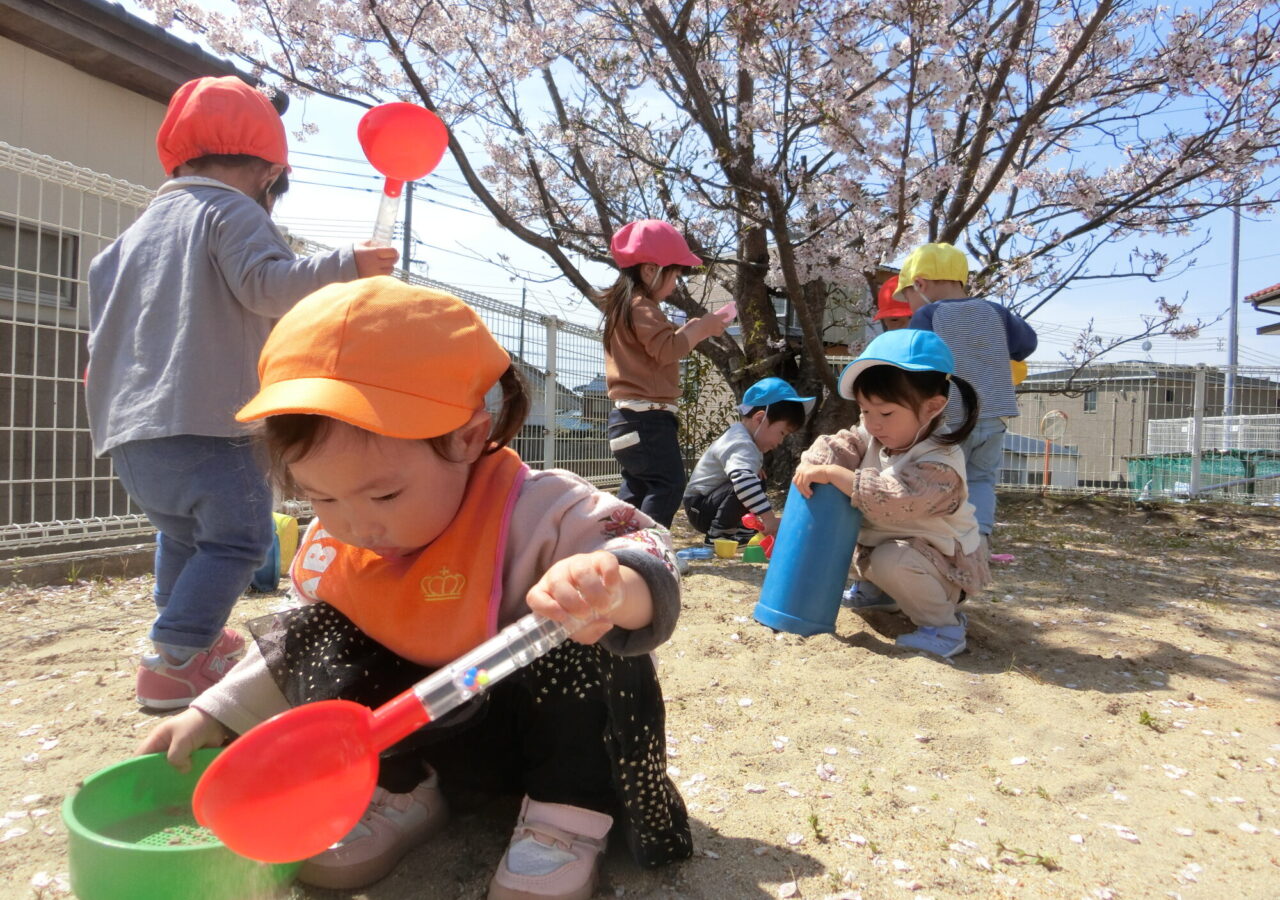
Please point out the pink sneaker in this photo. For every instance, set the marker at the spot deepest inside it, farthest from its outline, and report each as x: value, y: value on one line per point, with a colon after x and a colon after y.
x: 554, y: 854
x: 392, y: 826
x: 162, y: 685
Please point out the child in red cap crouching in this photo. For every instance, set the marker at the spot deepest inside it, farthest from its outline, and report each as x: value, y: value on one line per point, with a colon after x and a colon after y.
x: 179, y: 307
x: 430, y: 536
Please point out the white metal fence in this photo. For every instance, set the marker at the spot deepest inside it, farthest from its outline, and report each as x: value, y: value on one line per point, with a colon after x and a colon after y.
x: 1140, y: 428
x: 1154, y: 430
x: 54, y: 218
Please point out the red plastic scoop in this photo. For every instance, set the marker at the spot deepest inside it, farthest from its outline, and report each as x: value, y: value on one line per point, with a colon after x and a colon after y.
x: 298, y: 782
x: 404, y: 142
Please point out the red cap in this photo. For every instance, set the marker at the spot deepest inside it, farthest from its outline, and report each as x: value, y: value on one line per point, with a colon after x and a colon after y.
x: 220, y: 115
x: 889, y: 306
x: 650, y: 241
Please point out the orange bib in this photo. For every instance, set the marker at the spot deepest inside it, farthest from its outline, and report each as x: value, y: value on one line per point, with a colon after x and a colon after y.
x: 432, y: 607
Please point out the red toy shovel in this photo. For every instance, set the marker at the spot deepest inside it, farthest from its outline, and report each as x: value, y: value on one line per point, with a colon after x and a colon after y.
x: 299, y: 781
x: 404, y: 142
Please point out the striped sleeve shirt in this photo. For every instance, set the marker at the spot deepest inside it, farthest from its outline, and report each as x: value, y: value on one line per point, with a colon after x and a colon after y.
x: 732, y: 457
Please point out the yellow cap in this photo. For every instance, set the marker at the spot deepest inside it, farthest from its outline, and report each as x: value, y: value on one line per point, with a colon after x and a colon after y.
x: 937, y: 262
x: 1018, y: 370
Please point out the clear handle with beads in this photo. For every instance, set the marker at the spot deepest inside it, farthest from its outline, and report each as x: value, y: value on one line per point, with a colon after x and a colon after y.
x: 514, y: 647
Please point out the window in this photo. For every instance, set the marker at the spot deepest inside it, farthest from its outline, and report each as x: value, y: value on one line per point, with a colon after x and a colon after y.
x: 1091, y: 401
x: 37, y: 264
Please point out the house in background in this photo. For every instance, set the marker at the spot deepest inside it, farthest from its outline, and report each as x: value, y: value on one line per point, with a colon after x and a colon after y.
x: 88, y: 83
x: 1267, y: 301
x: 1025, y: 462
x: 1111, y: 409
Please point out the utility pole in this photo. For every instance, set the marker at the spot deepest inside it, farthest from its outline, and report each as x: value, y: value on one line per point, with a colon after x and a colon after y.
x: 523, y: 289
x: 406, y: 258
x: 1233, y: 326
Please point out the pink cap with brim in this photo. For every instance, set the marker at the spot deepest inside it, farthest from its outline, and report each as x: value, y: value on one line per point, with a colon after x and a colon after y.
x: 650, y: 241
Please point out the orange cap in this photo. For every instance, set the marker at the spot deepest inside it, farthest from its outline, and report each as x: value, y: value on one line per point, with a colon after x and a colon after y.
x: 220, y: 115
x: 389, y: 357
x: 891, y: 307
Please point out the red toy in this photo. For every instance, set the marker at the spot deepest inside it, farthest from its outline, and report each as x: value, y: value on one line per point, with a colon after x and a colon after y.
x: 752, y: 521
x: 404, y: 142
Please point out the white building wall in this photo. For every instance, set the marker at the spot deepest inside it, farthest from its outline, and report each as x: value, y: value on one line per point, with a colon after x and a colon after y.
x: 52, y: 108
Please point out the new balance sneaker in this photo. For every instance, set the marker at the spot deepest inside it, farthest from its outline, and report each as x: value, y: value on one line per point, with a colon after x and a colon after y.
x: 163, y: 685
x: 554, y: 854
x: 863, y: 596
x: 945, y: 641
x: 392, y: 826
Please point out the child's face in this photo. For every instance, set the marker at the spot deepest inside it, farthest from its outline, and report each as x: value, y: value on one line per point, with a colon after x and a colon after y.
x: 896, y: 426
x: 893, y: 323
x: 388, y: 495
x: 666, y: 284
x: 769, y: 435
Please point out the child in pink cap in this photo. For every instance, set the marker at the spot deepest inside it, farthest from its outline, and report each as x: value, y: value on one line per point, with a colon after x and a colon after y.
x: 642, y: 353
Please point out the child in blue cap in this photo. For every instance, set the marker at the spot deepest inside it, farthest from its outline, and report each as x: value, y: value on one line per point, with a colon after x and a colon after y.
x: 728, y: 481
x: 919, y: 542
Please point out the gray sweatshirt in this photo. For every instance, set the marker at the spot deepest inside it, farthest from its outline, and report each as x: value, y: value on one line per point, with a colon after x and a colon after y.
x: 180, y: 305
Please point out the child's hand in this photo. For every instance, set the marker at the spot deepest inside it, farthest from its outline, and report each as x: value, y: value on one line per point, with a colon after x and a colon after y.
x: 806, y: 476
x: 182, y: 735
x: 375, y: 259
x: 580, y: 587
x: 770, y: 523
x: 711, y: 325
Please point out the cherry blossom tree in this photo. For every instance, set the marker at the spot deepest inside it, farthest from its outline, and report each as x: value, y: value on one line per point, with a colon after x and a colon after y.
x: 805, y: 143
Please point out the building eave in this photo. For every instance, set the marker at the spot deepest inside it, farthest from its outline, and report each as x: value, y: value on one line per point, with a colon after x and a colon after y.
x: 104, y: 40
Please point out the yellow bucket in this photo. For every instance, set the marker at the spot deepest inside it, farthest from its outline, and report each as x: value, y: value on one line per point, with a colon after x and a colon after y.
x: 287, y: 532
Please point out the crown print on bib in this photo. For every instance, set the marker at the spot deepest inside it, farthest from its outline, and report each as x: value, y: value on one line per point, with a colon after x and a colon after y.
x: 444, y: 585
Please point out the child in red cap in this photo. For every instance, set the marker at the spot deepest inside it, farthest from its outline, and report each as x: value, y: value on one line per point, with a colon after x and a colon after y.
x: 179, y: 306
x: 642, y: 353
x: 431, y: 535
x: 891, y: 312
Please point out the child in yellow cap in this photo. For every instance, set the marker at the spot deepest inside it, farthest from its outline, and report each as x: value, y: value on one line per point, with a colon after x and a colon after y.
x: 430, y: 536
x: 983, y: 337
x: 179, y: 307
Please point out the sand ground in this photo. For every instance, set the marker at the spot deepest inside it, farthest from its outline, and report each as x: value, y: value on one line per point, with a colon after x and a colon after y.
x: 1113, y: 731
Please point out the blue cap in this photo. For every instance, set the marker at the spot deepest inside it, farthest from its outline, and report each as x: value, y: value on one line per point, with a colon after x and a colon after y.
x: 768, y: 391
x: 906, y: 348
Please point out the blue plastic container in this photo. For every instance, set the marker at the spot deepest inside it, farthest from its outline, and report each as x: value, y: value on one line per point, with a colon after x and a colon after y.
x: 810, y: 564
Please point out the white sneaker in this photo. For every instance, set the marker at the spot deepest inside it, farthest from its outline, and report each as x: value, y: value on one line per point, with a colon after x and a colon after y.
x: 391, y: 826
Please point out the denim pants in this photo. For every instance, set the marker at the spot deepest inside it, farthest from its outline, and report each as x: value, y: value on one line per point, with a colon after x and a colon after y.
x: 647, y: 446
x: 209, y: 499
x: 983, y: 454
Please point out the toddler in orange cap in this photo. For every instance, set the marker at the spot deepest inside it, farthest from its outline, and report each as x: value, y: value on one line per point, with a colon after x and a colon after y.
x: 430, y: 536
x: 179, y: 307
